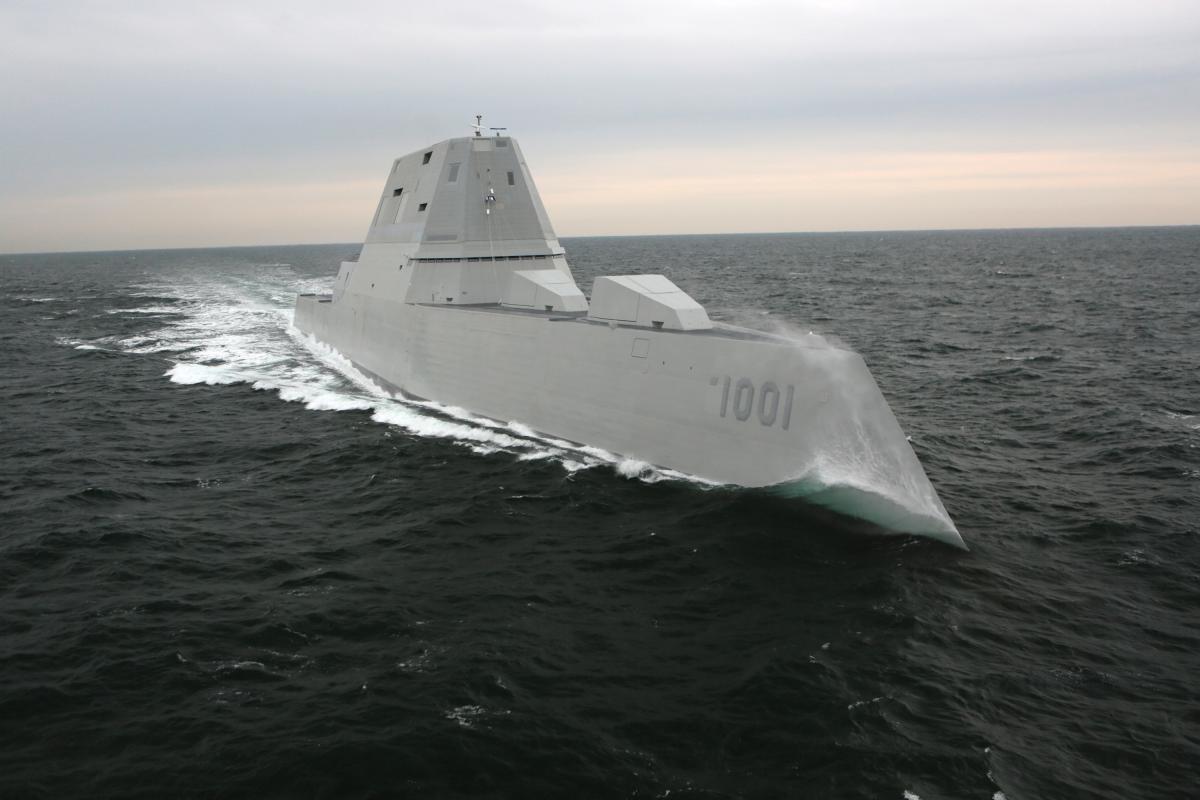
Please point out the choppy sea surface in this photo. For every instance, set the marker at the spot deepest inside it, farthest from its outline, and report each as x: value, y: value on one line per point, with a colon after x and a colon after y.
x: 230, y: 567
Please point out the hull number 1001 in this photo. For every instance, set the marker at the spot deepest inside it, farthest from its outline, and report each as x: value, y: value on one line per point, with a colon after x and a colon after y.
x: 743, y: 400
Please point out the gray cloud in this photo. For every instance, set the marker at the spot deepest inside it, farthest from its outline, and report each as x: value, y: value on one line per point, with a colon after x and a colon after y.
x: 111, y: 96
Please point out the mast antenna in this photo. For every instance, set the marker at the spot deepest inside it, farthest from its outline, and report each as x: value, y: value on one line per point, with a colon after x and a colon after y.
x: 478, y: 126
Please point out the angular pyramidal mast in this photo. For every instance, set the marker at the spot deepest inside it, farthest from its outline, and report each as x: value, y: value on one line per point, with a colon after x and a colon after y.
x: 462, y: 295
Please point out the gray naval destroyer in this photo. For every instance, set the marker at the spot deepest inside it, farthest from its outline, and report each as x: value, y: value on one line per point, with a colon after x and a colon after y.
x: 462, y: 295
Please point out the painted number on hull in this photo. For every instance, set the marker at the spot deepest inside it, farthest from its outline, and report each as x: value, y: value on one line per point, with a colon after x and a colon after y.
x: 742, y: 399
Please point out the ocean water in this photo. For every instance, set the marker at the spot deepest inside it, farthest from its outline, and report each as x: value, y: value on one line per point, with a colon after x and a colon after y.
x: 230, y: 567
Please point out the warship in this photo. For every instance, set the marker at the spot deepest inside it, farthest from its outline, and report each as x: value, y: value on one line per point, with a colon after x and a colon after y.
x: 462, y: 295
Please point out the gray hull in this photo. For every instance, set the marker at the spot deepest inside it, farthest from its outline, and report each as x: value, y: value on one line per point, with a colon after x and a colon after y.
x: 728, y: 406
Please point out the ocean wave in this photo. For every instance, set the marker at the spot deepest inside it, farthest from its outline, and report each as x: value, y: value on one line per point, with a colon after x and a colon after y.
x: 1034, y: 357
x: 144, y: 310
x: 468, y: 716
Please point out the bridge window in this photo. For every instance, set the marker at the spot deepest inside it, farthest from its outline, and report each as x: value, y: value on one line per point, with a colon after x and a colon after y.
x: 397, y: 192
x: 427, y: 156
x: 423, y: 206
x: 511, y: 180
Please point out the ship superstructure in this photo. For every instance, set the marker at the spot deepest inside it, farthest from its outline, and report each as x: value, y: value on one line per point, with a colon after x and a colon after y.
x: 462, y: 295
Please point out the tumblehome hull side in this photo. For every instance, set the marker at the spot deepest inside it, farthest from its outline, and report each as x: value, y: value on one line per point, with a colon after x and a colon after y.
x: 751, y: 411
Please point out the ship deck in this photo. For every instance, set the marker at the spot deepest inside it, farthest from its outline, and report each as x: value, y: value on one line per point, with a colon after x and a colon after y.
x: 719, y: 330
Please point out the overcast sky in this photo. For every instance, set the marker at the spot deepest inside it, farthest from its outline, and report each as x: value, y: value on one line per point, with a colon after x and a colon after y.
x: 170, y: 124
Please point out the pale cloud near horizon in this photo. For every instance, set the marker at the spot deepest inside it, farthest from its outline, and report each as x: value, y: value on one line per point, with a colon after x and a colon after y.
x: 139, y: 124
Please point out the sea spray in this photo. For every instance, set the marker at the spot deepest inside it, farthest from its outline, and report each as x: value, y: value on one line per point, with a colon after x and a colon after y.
x: 864, y: 466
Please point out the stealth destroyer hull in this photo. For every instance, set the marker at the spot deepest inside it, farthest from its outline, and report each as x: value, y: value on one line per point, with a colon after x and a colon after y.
x: 462, y: 295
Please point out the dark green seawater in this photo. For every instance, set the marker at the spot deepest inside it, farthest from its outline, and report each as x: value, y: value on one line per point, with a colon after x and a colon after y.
x: 228, y: 568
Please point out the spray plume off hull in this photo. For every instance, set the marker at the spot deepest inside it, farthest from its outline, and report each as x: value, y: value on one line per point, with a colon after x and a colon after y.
x: 462, y: 296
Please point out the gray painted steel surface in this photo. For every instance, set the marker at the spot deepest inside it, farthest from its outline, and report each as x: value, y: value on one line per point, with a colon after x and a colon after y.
x: 453, y: 300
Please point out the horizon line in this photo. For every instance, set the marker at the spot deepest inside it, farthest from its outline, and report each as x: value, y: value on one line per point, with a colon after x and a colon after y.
x: 627, y: 236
